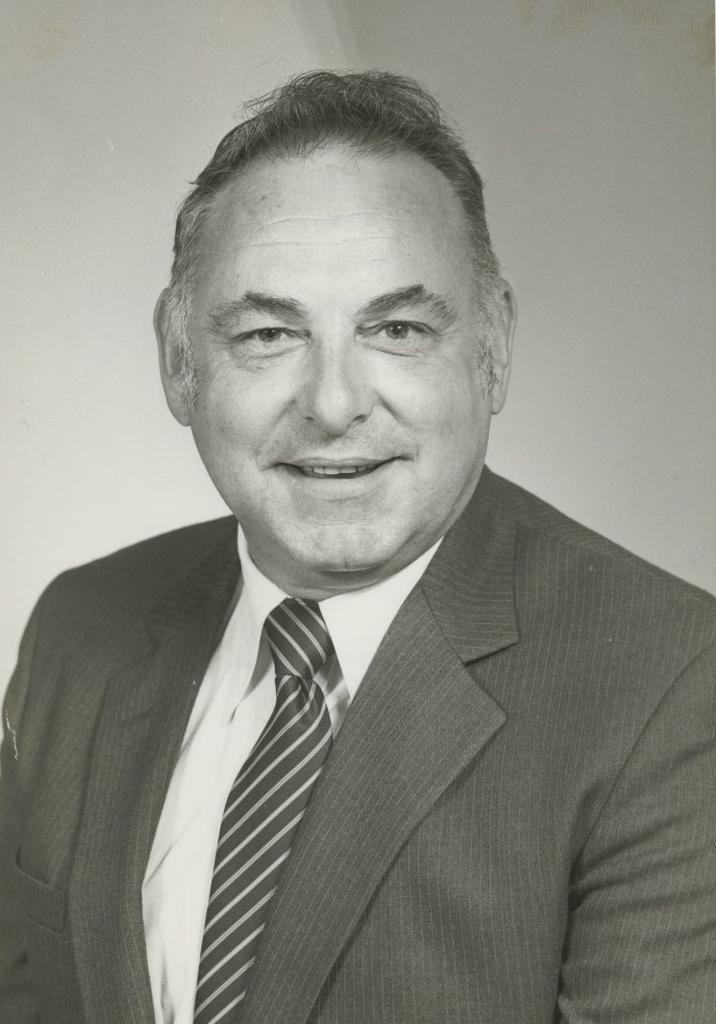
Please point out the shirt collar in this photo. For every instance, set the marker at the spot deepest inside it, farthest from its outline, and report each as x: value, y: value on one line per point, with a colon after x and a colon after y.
x: 259, y: 594
x: 357, y: 620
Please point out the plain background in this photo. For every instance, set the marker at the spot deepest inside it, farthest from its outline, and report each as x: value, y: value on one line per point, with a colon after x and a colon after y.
x: 592, y: 124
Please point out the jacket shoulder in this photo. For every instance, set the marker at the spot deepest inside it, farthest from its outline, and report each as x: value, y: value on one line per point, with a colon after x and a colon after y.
x: 605, y: 640
x: 135, y: 577
x: 591, y: 551
x: 623, y: 627
x: 103, y: 610
x: 599, y: 603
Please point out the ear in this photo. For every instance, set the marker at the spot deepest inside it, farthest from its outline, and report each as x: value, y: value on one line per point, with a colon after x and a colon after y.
x: 171, y: 359
x: 500, y: 344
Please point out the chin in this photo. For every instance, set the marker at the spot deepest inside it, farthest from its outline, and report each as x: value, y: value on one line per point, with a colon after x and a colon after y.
x: 354, y: 550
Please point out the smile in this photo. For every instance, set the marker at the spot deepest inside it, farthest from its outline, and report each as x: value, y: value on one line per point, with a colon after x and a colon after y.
x: 335, y: 470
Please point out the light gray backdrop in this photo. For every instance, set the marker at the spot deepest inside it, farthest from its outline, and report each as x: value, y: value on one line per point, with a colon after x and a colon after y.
x: 592, y: 123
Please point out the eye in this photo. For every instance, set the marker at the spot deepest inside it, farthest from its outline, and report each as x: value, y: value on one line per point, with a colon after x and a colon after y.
x: 399, y: 337
x: 400, y: 330
x: 267, y: 337
x: 269, y: 334
x: 262, y: 343
x: 397, y: 330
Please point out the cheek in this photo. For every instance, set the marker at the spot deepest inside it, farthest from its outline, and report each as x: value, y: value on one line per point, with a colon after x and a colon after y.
x: 223, y: 437
x: 442, y: 407
x: 232, y: 413
x: 451, y: 428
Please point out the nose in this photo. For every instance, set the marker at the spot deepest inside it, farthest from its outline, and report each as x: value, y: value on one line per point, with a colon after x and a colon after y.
x: 336, y: 391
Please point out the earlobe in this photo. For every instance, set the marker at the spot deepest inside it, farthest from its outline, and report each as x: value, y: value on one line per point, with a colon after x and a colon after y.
x: 171, y: 353
x: 503, y: 334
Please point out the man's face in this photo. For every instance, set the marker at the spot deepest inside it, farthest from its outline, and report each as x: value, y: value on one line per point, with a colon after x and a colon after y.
x: 343, y: 372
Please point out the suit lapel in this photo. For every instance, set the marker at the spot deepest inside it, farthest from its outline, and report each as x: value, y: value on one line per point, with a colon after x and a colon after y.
x: 418, y: 719
x: 146, y: 709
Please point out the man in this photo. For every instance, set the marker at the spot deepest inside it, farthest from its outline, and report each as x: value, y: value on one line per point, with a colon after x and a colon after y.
x: 426, y: 750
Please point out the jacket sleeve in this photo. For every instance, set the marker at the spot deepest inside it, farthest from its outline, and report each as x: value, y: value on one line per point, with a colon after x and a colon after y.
x: 17, y: 1001
x: 641, y: 941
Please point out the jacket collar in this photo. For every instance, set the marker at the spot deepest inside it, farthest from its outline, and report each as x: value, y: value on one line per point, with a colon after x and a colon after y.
x: 470, y: 582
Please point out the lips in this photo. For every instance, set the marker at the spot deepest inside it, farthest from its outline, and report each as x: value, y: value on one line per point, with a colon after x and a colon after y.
x: 343, y: 470
x: 349, y: 471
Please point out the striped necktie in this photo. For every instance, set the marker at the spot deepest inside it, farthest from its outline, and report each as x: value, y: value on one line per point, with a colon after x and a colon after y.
x: 265, y: 805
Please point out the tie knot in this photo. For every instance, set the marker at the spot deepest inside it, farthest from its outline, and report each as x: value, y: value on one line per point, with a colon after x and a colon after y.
x: 299, y: 640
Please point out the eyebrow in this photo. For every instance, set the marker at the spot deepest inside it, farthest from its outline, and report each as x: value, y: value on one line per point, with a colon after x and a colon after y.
x: 414, y: 296
x: 256, y: 302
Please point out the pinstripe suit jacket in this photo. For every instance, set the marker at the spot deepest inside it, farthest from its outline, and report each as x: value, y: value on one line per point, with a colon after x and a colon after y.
x: 516, y: 824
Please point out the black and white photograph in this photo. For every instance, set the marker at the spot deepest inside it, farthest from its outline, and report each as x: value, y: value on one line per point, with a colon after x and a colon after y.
x: 358, y: 638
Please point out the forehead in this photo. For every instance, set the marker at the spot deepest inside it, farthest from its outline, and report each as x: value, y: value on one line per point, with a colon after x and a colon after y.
x: 335, y: 212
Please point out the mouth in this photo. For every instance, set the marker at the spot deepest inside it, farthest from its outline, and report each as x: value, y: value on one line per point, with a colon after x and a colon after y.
x: 336, y: 470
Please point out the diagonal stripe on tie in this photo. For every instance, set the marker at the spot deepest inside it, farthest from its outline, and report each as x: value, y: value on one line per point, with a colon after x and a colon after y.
x: 263, y: 811
x: 293, y: 796
x: 261, y: 768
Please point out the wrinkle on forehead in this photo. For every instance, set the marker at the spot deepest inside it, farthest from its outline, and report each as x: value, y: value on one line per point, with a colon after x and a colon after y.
x: 366, y: 211
x: 377, y: 237
x: 335, y: 178
x: 334, y: 227
x: 300, y: 217
x: 240, y: 229
x: 245, y: 245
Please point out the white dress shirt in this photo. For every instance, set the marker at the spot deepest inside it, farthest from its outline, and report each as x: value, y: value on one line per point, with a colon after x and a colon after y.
x: 234, y: 702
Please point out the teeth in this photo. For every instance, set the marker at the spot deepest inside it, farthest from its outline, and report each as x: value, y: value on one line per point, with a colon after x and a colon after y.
x: 335, y: 470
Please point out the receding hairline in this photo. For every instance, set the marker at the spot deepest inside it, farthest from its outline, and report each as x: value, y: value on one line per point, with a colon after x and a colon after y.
x: 242, y: 178
x: 210, y: 203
